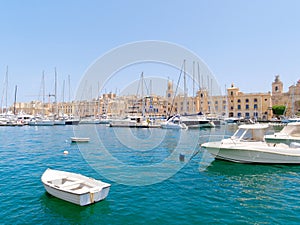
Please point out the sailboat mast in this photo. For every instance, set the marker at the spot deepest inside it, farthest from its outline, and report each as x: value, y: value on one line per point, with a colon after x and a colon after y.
x: 15, y: 101
x: 184, y: 89
x: 6, y: 87
x: 43, y: 87
x: 69, y: 88
x: 293, y: 100
x: 55, y: 93
x: 63, y: 92
x: 142, y: 86
x: 55, y: 87
x: 193, y: 86
x: 200, y: 88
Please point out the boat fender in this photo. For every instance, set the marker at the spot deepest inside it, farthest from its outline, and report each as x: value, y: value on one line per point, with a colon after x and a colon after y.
x: 92, y: 197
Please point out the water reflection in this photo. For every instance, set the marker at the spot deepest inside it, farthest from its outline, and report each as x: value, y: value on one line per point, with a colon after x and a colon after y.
x: 74, y: 214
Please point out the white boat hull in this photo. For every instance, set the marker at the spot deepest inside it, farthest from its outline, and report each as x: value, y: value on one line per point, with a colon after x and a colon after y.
x: 41, y: 123
x: 290, y: 133
x: 122, y: 123
x: 82, y: 199
x: 59, y: 122
x: 273, y: 139
x: 80, y: 139
x: 167, y: 125
x: 260, y: 154
x: 74, y: 188
x: 197, y: 122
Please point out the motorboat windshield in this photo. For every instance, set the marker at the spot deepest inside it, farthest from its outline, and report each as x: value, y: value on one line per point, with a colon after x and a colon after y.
x: 254, y: 132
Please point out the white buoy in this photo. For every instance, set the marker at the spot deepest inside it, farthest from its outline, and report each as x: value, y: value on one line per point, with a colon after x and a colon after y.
x: 66, y: 152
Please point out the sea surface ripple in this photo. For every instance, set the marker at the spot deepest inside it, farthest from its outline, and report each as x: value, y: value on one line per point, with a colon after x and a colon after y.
x: 221, y: 193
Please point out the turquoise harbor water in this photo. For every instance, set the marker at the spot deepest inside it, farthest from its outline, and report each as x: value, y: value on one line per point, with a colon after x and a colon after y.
x: 222, y: 193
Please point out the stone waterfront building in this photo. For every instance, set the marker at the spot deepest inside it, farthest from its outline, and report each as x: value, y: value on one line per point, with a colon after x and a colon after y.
x: 234, y: 104
x: 289, y: 99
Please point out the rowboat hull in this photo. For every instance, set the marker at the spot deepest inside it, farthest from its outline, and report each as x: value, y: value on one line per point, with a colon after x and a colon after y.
x: 80, y: 139
x: 74, y: 188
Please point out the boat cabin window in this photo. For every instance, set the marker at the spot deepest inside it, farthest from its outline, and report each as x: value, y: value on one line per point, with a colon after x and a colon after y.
x: 238, y: 133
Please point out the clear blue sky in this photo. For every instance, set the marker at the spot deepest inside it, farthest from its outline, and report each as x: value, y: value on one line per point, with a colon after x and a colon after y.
x: 245, y: 42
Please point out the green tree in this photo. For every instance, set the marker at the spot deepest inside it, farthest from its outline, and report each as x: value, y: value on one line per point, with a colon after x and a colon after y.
x: 278, y: 109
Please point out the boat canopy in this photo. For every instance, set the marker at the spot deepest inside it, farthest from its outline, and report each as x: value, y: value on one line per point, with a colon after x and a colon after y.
x: 292, y: 129
x: 253, y: 132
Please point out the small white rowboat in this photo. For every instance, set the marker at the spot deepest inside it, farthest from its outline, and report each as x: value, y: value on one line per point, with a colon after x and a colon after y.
x: 75, y: 188
x: 80, y: 139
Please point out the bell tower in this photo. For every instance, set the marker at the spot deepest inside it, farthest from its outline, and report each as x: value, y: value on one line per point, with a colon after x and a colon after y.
x: 277, y: 86
x: 170, y: 90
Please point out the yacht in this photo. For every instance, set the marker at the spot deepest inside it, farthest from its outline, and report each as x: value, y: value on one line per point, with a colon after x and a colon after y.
x: 290, y: 133
x: 247, y: 145
x: 197, y: 121
x: 174, y: 122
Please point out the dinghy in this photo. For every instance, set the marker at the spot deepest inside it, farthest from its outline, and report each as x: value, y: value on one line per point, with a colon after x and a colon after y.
x: 80, y: 139
x: 73, y: 187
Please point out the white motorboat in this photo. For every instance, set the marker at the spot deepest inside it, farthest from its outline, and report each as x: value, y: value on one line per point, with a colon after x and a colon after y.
x: 232, y: 120
x: 59, y: 121
x: 80, y: 139
x: 130, y: 121
x: 74, y: 188
x: 24, y: 118
x: 40, y: 121
x: 126, y: 122
x: 290, y: 133
x: 247, y: 145
x: 89, y: 120
x: 173, y: 122
x: 196, y: 121
x: 72, y: 120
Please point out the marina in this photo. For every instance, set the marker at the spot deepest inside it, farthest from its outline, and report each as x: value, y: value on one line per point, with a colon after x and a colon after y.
x: 192, y: 195
x: 150, y: 112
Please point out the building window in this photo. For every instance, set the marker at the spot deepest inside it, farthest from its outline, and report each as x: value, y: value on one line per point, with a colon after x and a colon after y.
x: 239, y: 100
x: 255, y: 106
x: 231, y: 107
x: 239, y: 114
x: 255, y: 100
x: 239, y: 107
x: 247, y: 100
x: 247, y: 115
x: 231, y: 93
x: 276, y: 88
x: 247, y: 106
x: 216, y: 102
